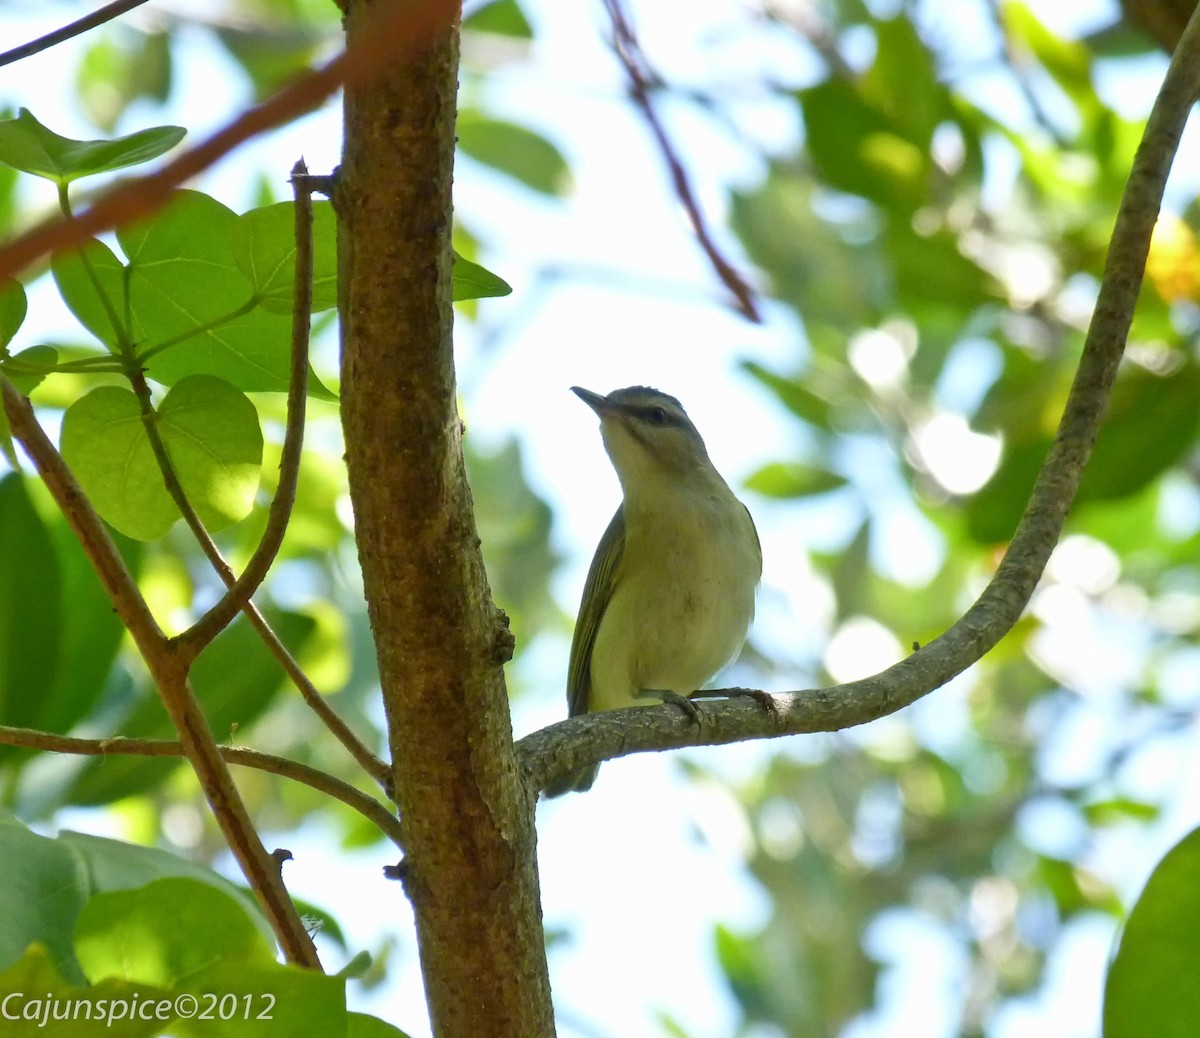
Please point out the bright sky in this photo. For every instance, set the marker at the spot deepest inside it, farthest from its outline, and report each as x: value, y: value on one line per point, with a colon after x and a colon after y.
x: 641, y: 867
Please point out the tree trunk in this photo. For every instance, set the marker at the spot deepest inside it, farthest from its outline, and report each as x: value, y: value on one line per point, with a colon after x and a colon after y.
x: 470, y: 865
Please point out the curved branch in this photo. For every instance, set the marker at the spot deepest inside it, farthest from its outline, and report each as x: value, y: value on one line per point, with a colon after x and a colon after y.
x: 557, y: 750
x: 367, y: 806
x: 238, y: 592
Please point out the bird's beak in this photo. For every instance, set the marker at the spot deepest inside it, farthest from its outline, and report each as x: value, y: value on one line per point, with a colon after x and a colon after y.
x: 600, y: 404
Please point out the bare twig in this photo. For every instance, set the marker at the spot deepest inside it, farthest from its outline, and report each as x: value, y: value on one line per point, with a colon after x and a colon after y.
x: 240, y: 589
x: 628, y: 50
x: 238, y: 594
x: 170, y: 679
x: 564, y: 747
x: 76, y: 28
x: 401, y: 30
x: 322, y: 781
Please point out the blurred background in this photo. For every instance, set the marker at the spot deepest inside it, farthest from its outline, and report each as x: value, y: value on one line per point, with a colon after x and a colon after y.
x: 920, y: 193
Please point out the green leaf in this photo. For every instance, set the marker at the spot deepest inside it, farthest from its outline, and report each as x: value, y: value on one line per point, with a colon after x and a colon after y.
x: 41, y: 985
x: 189, y: 937
x: 503, y: 17
x: 182, y: 272
x: 88, y: 278
x: 43, y: 891
x: 359, y: 1025
x: 514, y: 150
x: 251, y: 351
x: 471, y: 281
x: 27, y: 369
x: 792, y: 479
x: 30, y: 607
x: 212, y: 436
x: 164, y: 932
x: 1151, y: 987
x: 13, y: 307
x: 29, y: 146
x: 264, y: 248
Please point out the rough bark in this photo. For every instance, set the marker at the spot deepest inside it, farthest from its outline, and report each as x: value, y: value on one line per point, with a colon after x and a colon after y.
x: 470, y: 864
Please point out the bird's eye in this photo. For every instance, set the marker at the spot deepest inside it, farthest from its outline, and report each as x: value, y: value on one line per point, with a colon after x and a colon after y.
x: 658, y: 416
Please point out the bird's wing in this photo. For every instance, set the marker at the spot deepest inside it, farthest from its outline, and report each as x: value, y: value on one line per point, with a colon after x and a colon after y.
x: 597, y: 590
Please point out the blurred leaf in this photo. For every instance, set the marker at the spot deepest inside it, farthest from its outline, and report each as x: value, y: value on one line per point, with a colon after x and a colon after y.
x: 857, y: 148
x: 1150, y: 988
x: 514, y: 527
x: 235, y: 678
x: 278, y: 49
x: 793, y: 479
x: 903, y: 80
x: 1068, y: 61
x: 1151, y: 423
x: 89, y: 641
x: 503, y: 17
x: 29, y: 146
x: 514, y: 150
x: 13, y: 306
x: 121, y: 67
x: 31, y: 607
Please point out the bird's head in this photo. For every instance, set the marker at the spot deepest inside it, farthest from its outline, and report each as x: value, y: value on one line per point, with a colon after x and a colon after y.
x: 648, y: 435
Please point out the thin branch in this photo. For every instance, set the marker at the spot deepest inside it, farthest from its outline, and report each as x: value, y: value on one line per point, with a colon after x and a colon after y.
x: 322, y: 781
x: 561, y: 748
x: 628, y: 50
x: 240, y: 589
x: 401, y: 30
x: 376, y: 768
x: 76, y: 28
x: 170, y: 679
x: 238, y: 594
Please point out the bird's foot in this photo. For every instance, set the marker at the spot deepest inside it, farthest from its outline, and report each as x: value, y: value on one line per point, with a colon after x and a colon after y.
x: 675, y: 699
x: 763, y: 699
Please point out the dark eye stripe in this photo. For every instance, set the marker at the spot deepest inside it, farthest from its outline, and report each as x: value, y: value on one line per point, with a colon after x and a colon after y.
x: 657, y: 415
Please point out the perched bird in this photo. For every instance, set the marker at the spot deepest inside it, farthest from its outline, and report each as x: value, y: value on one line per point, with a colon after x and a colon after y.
x: 670, y: 593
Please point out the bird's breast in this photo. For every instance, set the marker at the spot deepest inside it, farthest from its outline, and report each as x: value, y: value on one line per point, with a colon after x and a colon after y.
x: 682, y: 602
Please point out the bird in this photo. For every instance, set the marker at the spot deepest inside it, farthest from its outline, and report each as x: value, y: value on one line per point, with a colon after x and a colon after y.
x: 670, y: 593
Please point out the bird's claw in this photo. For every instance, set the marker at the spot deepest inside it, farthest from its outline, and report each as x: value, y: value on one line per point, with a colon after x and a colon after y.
x: 685, y: 704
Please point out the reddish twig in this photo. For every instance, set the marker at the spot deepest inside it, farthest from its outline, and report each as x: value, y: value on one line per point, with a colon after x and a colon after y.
x: 76, y: 28
x: 401, y: 30
x: 629, y: 52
